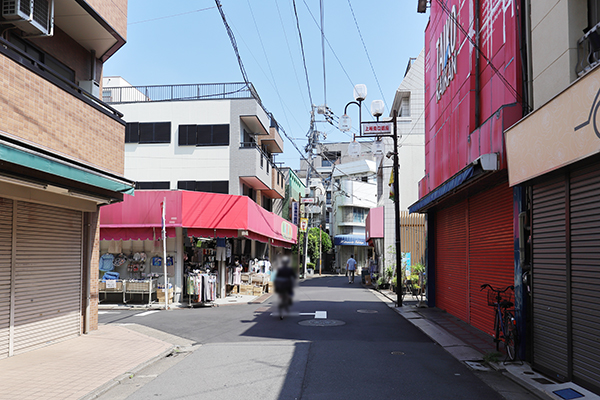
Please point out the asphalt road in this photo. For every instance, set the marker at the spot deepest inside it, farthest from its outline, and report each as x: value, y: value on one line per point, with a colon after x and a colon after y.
x: 245, y: 352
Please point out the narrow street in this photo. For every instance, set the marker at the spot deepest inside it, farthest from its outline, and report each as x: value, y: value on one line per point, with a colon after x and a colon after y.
x: 243, y: 351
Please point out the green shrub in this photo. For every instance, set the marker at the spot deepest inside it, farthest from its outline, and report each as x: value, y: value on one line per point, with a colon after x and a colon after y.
x: 310, y: 265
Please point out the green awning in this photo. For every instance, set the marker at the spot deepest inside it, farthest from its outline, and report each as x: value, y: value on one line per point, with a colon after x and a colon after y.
x: 48, y: 164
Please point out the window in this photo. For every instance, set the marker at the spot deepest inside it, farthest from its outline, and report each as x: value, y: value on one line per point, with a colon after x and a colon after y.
x: 204, y: 135
x: 593, y: 13
x: 267, y: 203
x: 148, y: 132
x: 359, y: 214
x: 328, y: 197
x: 247, y: 139
x: 152, y: 185
x: 205, y: 186
x: 46, y: 59
x: 329, y: 158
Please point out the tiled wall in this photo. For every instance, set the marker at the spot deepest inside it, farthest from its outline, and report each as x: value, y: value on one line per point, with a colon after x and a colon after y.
x: 114, y: 12
x: 34, y: 109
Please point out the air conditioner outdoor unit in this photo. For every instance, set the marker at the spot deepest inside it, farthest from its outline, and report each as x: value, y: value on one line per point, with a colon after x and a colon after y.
x: 35, y: 17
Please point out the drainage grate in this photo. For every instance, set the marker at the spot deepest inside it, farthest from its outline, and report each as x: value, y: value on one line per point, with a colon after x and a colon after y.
x: 367, y: 311
x: 568, y: 394
x: 321, y: 322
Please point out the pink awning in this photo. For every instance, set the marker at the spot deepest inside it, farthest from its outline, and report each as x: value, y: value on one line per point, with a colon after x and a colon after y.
x: 374, y: 224
x: 203, y: 214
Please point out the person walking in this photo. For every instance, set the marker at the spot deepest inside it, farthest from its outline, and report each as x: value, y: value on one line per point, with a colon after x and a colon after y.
x: 351, y: 267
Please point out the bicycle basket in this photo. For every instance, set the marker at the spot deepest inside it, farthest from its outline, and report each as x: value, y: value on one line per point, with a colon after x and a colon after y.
x: 492, y: 297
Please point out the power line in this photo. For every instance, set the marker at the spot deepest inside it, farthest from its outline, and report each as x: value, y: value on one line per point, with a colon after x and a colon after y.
x: 323, y: 51
x: 170, y: 16
x: 233, y: 44
x: 367, y: 52
x: 302, y: 48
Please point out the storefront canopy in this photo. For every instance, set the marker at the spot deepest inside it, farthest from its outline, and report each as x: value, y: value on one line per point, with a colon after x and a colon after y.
x: 349, y: 240
x: 203, y: 214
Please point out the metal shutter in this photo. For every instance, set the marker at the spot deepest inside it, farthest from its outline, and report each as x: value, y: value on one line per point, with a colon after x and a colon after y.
x: 451, y: 260
x: 6, y: 216
x: 585, y: 273
x: 47, y: 275
x: 549, y: 279
x: 491, y: 249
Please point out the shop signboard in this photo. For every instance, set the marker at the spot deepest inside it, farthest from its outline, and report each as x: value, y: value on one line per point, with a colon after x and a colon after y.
x: 376, y: 128
x: 303, y: 224
x: 111, y: 284
x: 295, y: 213
x: 309, y: 200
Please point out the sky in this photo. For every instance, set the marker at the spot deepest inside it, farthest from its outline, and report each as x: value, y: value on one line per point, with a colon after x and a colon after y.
x: 366, y: 41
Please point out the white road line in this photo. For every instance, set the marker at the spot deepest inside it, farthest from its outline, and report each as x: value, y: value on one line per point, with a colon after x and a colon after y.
x: 317, y: 314
x: 320, y: 314
x: 109, y: 312
x: 146, y: 313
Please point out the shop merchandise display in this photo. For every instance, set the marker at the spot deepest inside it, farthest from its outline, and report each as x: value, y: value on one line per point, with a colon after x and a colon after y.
x: 201, y: 287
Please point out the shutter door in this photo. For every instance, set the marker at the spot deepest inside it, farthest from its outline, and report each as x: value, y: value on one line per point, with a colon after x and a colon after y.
x: 491, y: 249
x: 6, y: 216
x: 450, y: 260
x: 549, y: 280
x: 585, y: 273
x: 48, y: 275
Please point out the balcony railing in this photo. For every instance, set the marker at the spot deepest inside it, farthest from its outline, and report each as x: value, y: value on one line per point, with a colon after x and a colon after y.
x: 17, y: 55
x: 588, y: 50
x: 199, y: 91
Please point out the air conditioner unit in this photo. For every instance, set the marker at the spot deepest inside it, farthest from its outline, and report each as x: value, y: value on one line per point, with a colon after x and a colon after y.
x: 35, y: 17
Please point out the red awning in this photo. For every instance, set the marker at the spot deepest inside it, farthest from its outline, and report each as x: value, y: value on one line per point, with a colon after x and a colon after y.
x: 203, y: 214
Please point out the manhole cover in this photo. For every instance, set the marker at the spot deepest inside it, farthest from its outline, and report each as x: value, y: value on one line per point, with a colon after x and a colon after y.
x: 322, y: 322
x: 397, y: 353
x: 367, y: 311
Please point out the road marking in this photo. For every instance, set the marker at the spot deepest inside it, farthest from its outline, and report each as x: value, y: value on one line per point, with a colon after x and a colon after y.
x: 146, y: 313
x: 317, y: 314
x: 108, y: 312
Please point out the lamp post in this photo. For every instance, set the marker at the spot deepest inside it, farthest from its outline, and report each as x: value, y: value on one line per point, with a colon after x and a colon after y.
x: 377, y: 108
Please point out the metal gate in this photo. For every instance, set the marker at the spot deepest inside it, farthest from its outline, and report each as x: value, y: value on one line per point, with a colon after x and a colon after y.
x: 549, y: 278
x: 584, y: 219
x: 451, y: 260
x: 40, y: 275
x: 6, y: 207
x: 491, y: 249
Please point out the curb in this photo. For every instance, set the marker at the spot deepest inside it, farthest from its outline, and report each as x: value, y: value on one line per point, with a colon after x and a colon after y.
x: 102, y: 389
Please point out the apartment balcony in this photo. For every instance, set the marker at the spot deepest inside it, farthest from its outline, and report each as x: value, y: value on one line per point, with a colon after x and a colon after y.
x: 273, y: 141
x: 277, y: 184
x: 252, y: 166
x: 44, y: 109
x: 588, y: 51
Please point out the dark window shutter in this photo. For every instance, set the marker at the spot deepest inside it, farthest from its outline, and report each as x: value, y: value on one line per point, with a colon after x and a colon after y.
x: 162, y: 132
x: 203, y: 186
x: 220, y: 187
x: 146, y: 132
x: 220, y: 135
x: 132, y: 132
x: 187, y: 135
x: 186, y: 185
x: 204, y: 135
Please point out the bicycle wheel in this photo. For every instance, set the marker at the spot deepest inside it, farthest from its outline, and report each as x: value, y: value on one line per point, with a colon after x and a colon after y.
x: 510, y: 337
x: 497, y: 330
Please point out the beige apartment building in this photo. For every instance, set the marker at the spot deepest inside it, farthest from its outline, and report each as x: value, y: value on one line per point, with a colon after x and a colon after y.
x: 61, y: 158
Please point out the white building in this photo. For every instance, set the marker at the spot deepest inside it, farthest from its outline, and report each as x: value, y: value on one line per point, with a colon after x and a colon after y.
x: 409, y: 101
x: 203, y: 137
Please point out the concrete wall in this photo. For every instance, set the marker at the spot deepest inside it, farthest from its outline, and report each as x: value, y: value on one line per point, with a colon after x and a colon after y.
x: 556, y: 25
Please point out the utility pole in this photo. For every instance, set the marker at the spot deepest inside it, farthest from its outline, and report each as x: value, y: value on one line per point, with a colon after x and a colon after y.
x: 320, y: 247
x: 397, y: 210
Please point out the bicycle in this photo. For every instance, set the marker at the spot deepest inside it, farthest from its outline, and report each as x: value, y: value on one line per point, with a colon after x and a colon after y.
x: 505, y: 324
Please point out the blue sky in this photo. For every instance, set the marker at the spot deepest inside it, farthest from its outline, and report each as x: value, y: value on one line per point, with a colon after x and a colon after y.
x: 191, y: 46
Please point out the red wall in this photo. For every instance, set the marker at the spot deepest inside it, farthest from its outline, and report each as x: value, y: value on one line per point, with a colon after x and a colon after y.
x: 453, y: 138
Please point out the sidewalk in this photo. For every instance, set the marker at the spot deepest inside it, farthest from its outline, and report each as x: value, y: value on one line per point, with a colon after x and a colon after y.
x: 469, y: 345
x: 75, y: 367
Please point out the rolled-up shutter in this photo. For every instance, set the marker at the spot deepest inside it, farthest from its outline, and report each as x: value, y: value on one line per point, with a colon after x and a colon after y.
x: 549, y: 278
x: 450, y: 260
x: 48, y: 275
x: 6, y: 216
x: 585, y: 274
x: 491, y: 249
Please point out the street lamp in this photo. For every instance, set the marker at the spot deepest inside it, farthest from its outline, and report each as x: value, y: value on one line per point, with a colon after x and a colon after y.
x: 377, y: 108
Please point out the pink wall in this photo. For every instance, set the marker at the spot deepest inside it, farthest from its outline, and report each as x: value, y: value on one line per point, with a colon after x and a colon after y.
x: 453, y: 138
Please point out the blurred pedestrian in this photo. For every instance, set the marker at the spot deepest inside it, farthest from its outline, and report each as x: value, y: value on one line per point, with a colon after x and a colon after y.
x: 351, y: 268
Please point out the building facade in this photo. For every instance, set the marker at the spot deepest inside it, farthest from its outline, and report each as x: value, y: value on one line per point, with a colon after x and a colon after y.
x: 62, y: 158
x: 473, y: 92
x: 294, y: 189
x: 409, y: 103
x: 554, y: 163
